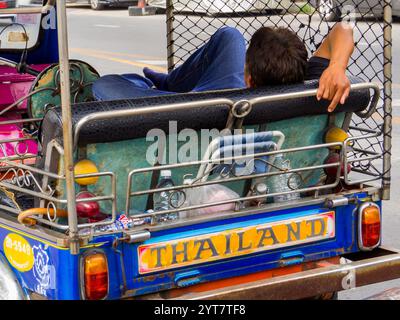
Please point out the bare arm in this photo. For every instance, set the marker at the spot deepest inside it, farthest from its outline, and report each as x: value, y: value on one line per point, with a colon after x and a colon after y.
x: 338, y: 47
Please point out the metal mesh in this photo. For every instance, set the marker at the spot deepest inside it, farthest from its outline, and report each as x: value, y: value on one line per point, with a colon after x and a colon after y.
x: 191, y: 23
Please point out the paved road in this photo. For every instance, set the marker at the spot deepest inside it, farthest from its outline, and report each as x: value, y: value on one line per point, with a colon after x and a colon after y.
x: 114, y: 42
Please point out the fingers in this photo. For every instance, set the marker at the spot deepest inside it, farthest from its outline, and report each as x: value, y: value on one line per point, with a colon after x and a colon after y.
x: 324, y: 91
x: 321, y: 89
x: 335, y: 101
x: 345, y: 95
x: 327, y: 93
x: 334, y: 93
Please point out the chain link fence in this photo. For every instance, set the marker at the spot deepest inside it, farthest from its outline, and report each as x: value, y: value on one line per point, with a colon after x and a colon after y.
x: 191, y: 23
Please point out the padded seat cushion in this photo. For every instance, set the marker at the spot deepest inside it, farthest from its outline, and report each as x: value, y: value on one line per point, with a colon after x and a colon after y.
x: 199, y: 118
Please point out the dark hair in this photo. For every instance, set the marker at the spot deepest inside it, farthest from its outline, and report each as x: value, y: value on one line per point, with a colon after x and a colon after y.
x: 276, y: 56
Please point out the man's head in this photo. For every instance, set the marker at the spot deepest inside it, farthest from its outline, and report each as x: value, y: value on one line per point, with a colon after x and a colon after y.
x: 275, y: 56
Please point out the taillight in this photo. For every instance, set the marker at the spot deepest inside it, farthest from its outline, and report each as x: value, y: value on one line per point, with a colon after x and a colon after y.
x: 369, y: 226
x: 3, y: 5
x: 95, y: 273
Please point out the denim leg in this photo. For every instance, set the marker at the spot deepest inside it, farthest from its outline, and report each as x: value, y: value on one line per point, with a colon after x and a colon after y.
x: 219, y: 64
x: 129, y: 86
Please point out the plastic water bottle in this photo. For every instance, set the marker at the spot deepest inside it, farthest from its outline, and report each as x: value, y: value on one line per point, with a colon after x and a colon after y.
x: 186, y: 197
x: 281, y: 182
x: 257, y: 190
x: 162, y: 199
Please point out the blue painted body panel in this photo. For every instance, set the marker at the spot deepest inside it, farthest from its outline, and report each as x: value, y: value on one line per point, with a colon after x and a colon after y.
x: 45, y: 52
x: 55, y: 271
x: 64, y: 268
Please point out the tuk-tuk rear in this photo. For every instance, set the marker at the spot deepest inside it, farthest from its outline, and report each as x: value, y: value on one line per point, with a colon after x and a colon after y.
x: 266, y: 195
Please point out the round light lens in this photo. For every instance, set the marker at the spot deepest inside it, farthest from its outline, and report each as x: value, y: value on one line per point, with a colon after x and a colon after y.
x: 85, y: 167
x: 336, y: 134
x: 87, y: 209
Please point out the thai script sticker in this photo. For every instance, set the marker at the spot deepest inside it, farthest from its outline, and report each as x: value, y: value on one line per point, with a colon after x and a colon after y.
x: 18, y: 252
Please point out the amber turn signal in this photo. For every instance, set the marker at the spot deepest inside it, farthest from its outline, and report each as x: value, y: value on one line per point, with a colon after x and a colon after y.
x: 96, y: 276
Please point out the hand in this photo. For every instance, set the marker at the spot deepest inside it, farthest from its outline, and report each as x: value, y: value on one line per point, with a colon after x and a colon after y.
x: 334, y: 86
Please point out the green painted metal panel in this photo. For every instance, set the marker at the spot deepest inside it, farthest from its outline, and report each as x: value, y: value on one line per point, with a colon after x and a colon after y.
x: 123, y: 156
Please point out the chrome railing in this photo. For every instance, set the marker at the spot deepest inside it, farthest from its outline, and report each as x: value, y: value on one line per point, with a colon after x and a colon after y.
x: 19, y: 145
x: 224, y: 179
x: 36, y: 182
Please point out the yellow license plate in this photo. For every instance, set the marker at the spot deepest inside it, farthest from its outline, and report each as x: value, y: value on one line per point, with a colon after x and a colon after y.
x: 236, y: 242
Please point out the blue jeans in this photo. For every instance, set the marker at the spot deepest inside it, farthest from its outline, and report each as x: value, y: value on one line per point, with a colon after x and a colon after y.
x: 217, y: 65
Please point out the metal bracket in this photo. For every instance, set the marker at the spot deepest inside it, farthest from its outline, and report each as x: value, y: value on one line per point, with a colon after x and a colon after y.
x: 336, y: 202
x: 349, y: 281
x: 124, y: 286
x: 239, y: 111
x: 135, y: 236
x: 375, y: 196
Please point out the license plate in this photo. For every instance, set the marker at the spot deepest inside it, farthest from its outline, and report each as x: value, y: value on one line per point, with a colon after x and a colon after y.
x: 235, y: 242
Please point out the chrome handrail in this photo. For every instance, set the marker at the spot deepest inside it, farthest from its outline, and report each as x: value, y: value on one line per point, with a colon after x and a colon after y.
x: 184, y: 106
x: 145, y: 110
x: 130, y: 194
x: 196, y: 104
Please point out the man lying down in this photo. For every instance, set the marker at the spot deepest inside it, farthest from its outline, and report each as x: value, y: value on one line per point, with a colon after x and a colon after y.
x: 276, y: 56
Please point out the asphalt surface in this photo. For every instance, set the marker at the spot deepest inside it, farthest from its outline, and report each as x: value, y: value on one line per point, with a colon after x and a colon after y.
x: 114, y: 42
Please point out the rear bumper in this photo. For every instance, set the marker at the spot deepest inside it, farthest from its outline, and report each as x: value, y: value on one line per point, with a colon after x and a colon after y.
x: 363, y: 269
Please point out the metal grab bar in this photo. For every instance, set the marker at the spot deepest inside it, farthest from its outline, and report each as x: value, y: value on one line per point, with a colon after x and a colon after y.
x: 24, y: 169
x: 191, y: 105
x: 240, y: 149
x: 372, y: 156
x: 373, y: 104
x: 145, y: 110
x: 7, y: 62
x: 213, y: 146
x: 310, y: 93
x: 164, y: 108
x: 130, y: 194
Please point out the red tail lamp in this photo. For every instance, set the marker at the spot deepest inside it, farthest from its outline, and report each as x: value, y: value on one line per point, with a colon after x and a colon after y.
x: 369, y: 226
x: 95, y: 271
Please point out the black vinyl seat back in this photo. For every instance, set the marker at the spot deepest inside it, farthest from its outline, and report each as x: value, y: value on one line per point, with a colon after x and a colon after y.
x: 208, y: 117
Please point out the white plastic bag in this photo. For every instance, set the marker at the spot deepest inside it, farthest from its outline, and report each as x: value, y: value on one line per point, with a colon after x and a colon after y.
x: 209, y: 194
